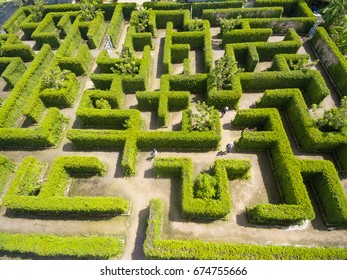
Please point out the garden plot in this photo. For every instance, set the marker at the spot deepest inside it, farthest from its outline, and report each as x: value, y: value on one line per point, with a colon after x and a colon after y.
x: 282, y: 184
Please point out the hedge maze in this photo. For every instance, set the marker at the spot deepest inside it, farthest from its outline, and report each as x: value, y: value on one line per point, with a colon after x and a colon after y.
x: 75, y: 111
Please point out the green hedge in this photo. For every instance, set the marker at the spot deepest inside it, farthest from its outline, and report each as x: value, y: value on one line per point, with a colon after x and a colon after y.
x: 46, y: 33
x: 328, y: 189
x: 11, y: 109
x: 331, y: 57
x: 179, y: 52
x: 96, y: 29
x: 47, y: 134
x: 246, y: 35
x: 14, y: 47
x: 213, y: 15
x: 273, y: 138
x: 252, y: 59
x: 155, y: 247
x: 64, y: 97
x: 12, y: 69
x: 307, y: 134
x: 312, y: 82
x: 12, y: 25
x: 6, y: 169
x: 51, y: 199
x: 57, y: 247
x: 267, y: 50
x: 193, y: 207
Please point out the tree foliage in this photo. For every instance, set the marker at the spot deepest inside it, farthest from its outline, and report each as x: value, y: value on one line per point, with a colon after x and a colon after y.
x: 334, y: 119
x: 201, y: 121
x: 195, y: 25
x: 224, y: 71
x: 37, y: 10
x: 102, y: 104
x: 142, y: 18
x: 339, y: 35
x: 302, y: 64
x: 55, y: 78
x: 88, y: 9
x: 127, y: 64
x: 229, y: 24
x: 333, y: 13
x: 205, y: 186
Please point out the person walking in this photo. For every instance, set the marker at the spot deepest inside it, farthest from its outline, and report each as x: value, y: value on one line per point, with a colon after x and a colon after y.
x: 229, y: 147
x: 225, y: 109
x: 154, y: 153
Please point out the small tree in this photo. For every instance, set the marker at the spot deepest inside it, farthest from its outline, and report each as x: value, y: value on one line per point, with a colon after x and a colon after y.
x: 201, y: 121
x: 334, y: 119
x: 142, y: 18
x: 333, y: 13
x: 302, y: 64
x: 102, y: 104
x: 55, y: 78
x: 205, y: 186
x: 88, y: 9
x: 224, y: 71
x: 127, y: 63
x: 229, y: 24
x: 195, y: 25
x: 37, y: 10
x: 339, y: 35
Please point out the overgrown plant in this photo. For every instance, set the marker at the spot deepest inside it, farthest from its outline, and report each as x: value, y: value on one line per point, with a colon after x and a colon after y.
x: 206, y: 186
x: 141, y: 19
x: 127, y: 64
x: 88, y: 9
x: 339, y: 35
x: 229, y: 24
x: 224, y: 71
x: 55, y: 78
x: 102, y: 104
x: 202, y: 120
x: 333, y: 119
x: 333, y: 13
x: 37, y: 10
x: 302, y: 64
x: 195, y: 25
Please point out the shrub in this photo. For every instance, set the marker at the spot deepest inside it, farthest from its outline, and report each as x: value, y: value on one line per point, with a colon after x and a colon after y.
x: 205, y: 186
x: 58, y: 247
x: 7, y: 167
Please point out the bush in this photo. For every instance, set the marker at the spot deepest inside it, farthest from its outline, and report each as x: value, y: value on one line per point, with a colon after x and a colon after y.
x: 179, y: 52
x: 60, y: 247
x: 12, y: 69
x: 12, y: 25
x: 116, y: 24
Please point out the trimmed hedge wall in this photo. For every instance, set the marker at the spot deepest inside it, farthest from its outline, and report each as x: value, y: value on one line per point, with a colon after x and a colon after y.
x: 192, y: 249
x: 116, y: 24
x: 331, y: 57
x: 11, y: 109
x: 47, y: 134
x: 12, y: 25
x: 273, y: 138
x: 57, y: 247
x: 7, y: 167
x: 193, y: 207
x: 51, y: 199
x: 213, y: 15
x: 12, y: 69
x: 328, y: 189
x: 14, y: 47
